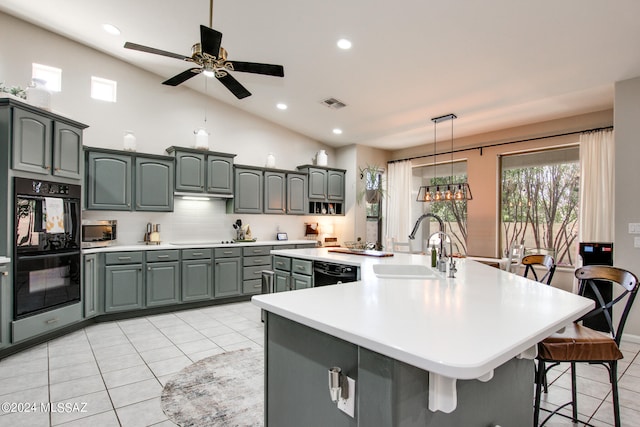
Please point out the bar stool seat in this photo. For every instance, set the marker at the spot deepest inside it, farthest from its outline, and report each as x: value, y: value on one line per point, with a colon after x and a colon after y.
x: 579, y: 343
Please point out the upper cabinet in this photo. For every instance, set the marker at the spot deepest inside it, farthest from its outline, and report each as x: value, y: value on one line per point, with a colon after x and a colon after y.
x: 296, y: 193
x: 275, y: 192
x: 248, y: 190
x: 325, y: 190
x: 201, y: 171
x: 116, y: 178
x: 44, y: 143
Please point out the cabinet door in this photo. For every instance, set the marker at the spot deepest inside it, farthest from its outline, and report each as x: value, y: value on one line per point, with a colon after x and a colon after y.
x: 281, y: 279
x: 67, y: 151
x: 274, y: 192
x: 335, y: 185
x: 317, y: 184
x: 90, y: 286
x: 163, y: 283
x: 123, y: 288
x: 108, y: 181
x: 219, y: 174
x: 5, y: 314
x: 31, y: 142
x: 228, y: 280
x: 190, y: 169
x: 154, y: 184
x: 248, y: 191
x: 197, y: 283
x: 296, y: 192
x: 301, y: 281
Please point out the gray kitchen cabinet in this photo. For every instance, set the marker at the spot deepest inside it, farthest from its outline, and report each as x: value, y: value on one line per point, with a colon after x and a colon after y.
x: 220, y: 173
x: 154, y: 184
x: 108, y: 181
x: 254, y: 260
x: 197, y: 277
x: 46, y: 144
x: 282, y: 281
x: 227, y: 279
x: 162, y: 277
x: 317, y: 184
x: 335, y: 185
x: 248, y: 190
x: 5, y: 313
x: 301, y: 281
x: 296, y: 194
x: 90, y: 285
x: 301, y: 273
x: 124, y: 283
x: 201, y: 171
x: 325, y: 190
x: 275, y: 192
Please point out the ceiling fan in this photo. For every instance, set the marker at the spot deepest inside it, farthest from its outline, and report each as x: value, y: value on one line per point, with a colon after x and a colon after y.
x: 212, y: 59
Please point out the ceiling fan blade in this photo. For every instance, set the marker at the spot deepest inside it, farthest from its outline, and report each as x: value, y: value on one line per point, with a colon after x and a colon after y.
x: 182, y: 77
x: 210, y: 41
x: 148, y: 49
x: 257, y: 68
x: 234, y: 86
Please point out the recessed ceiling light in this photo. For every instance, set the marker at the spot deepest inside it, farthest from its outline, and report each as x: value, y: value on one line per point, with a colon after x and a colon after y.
x: 111, y: 29
x: 281, y: 106
x: 344, y: 44
x: 337, y: 131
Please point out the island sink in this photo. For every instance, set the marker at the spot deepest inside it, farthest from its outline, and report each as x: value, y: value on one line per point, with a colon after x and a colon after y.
x: 403, y: 271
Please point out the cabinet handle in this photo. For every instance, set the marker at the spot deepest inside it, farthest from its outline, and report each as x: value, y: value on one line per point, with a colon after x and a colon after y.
x: 163, y: 256
x: 197, y: 254
x: 257, y: 272
x: 128, y: 205
x: 51, y: 321
x: 279, y: 263
x: 148, y: 268
x: 5, y: 273
x: 257, y: 286
x: 124, y: 258
x: 48, y: 168
x: 57, y: 169
x: 227, y: 252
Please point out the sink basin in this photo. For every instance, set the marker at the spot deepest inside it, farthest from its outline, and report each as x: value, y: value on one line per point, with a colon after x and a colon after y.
x: 403, y: 271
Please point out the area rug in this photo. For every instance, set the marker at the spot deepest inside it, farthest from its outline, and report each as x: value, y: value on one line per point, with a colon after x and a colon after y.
x: 222, y: 390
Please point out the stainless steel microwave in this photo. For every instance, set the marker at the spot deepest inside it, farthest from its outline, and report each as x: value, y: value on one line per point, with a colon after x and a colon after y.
x: 97, y: 233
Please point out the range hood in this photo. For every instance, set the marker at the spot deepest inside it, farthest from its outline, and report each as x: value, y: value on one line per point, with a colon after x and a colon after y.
x: 201, y: 196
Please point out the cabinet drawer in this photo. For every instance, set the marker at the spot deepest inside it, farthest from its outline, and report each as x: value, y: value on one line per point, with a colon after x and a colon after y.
x: 159, y: 256
x: 45, y: 322
x: 196, y: 253
x: 123, y: 258
x: 281, y: 263
x: 253, y: 272
x: 256, y: 260
x: 228, y: 252
x: 253, y: 286
x: 256, y: 250
x: 302, y: 266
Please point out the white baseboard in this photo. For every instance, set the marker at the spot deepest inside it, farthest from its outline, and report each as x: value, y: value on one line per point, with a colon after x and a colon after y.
x: 631, y: 338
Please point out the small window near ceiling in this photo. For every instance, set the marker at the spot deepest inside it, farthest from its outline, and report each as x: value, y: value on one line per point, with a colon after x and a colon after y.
x: 103, y: 89
x: 51, y: 76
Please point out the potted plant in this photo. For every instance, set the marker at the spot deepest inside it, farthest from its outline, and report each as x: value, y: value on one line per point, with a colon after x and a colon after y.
x: 372, y: 190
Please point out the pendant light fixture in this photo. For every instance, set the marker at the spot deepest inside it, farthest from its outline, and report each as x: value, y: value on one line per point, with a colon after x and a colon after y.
x: 451, y: 191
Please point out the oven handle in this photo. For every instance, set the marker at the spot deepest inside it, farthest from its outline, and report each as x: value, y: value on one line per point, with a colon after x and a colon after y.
x: 330, y: 273
x: 54, y: 254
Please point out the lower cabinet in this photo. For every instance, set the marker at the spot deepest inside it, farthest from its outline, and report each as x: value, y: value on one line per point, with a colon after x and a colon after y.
x: 292, y: 273
x: 123, y: 282
x: 5, y: 313
x: 255, y: 259
x: 197, y: 277
x: 90, y: 286
x: 227, y: 279
x: 162, y: 278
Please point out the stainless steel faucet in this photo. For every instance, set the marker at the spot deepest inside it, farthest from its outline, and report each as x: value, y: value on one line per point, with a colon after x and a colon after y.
x: 412, y: 236
x: 442, y: 264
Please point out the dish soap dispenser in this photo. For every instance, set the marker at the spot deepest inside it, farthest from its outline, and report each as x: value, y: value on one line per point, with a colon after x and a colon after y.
x: 434, y: 256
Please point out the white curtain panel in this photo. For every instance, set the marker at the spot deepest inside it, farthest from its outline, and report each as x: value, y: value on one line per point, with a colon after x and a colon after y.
x: 597, y: 186
x: 398, y: 217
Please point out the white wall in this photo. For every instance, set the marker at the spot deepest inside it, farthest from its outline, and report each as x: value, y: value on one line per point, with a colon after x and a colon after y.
x: 161, y: 117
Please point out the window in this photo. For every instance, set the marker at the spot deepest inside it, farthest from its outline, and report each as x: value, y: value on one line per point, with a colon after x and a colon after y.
x: 540, y: 202
x: 103, y: 89
x: 52, y: 76
x: 452, y: 212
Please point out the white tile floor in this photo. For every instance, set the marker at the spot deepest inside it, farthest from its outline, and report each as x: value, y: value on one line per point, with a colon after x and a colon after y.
x: 118, y: 370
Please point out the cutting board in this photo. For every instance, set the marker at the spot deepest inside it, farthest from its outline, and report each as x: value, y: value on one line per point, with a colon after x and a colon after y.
x: 361, y: 252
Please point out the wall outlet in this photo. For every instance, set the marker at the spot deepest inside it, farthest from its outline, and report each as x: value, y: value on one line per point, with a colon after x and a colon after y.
x: 636, y: 242
x: 634, y: 228
x: 348, y: 405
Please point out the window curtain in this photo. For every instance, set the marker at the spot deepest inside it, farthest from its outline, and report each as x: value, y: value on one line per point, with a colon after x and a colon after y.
x: 398, y: 216
x: 596, y: 186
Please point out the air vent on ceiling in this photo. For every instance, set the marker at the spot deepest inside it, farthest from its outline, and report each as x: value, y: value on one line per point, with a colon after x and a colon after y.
x: 333, y: 103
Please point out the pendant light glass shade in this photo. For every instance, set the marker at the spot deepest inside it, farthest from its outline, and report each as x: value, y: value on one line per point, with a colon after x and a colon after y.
x: 447, y: 192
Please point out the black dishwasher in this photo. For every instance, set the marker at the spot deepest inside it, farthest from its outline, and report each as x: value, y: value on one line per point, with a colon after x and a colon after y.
x: 327, y: 273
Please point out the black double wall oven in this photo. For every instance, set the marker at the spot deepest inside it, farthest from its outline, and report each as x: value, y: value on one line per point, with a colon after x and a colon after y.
x: 47, y: 246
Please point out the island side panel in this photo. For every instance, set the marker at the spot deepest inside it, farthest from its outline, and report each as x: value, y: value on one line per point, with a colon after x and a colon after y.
x: 297, y: 360
x: 391, y: 392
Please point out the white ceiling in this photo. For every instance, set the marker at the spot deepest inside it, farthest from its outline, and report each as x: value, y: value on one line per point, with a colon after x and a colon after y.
x: 494, y: 63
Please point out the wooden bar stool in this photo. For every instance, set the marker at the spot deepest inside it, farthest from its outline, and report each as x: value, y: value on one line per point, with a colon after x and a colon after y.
x: 578, y: 343
x: 545, y: 261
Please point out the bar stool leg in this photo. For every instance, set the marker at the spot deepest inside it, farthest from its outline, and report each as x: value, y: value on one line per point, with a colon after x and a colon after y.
x: 613, y: 377
x: 574, y: 393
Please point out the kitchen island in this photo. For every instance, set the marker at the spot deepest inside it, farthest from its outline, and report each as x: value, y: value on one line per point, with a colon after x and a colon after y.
x: 435, y: 351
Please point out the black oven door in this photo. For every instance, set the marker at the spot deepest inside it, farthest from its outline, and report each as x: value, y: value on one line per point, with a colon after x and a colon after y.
x: 45, y: 282
x: 37, y: 232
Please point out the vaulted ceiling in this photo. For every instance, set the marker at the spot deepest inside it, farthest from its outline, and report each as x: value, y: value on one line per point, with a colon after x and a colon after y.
x: 495, y: 63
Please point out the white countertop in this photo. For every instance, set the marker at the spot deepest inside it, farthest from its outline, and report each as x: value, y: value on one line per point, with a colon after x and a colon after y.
x: 459, y: 328
x: 4, y: 260
x: 184, y: 245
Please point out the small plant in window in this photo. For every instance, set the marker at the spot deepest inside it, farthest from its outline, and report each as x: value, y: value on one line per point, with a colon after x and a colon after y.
x: 371, y: 190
